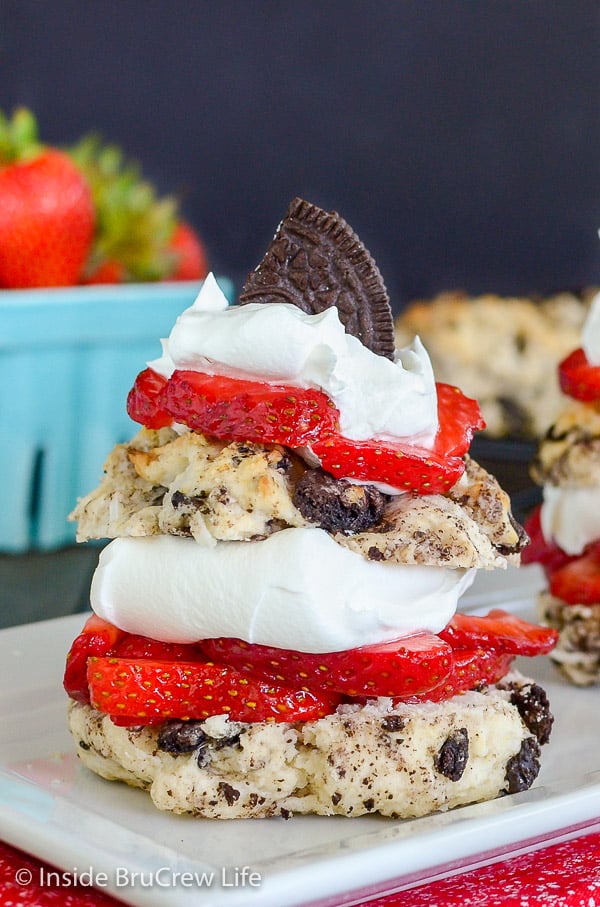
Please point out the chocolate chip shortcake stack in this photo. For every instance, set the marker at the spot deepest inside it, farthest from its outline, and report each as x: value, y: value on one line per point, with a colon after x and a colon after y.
x: 565, y: 528
x: 275, y: 626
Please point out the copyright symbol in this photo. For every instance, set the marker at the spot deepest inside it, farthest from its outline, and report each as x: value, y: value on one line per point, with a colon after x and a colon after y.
x: 23, y: 877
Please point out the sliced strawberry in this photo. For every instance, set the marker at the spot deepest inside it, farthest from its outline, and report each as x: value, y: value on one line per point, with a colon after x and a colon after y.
x: 239, y: 410
x: 578, y: 581
x: 144, y: 401
x: 459, y: 417
x: 133, y: 645
x: 235, y: 409
x: 402, y: 465
x: 471, y: 668
x: 499, y: 631
x: 396, y: 465
x: 148, y: 690
x: 578, y: 378
x: 98, y: 637
x: 414, y: 664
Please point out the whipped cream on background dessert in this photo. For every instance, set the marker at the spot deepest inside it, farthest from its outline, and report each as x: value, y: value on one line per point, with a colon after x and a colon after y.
x: 570, y: 515
x: 590, y: 333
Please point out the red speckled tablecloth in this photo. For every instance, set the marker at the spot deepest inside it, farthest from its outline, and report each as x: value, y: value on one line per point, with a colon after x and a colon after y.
x: 561, y: 875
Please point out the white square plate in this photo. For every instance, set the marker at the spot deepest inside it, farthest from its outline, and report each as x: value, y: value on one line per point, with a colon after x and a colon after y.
x: 52, y: 807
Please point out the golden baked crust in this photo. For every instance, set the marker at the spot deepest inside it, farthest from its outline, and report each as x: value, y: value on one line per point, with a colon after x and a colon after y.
x: 501, y: 350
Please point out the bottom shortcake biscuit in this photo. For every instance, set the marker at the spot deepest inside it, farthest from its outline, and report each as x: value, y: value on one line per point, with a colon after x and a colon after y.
x: 577, y: 652
x: 400, y: 760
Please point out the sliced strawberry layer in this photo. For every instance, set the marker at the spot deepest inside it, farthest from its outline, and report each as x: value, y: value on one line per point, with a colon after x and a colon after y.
x: 414, y: 664
x: 471, y: 668
x: 146, y: 690
x: 98, y: 637
x: 578, y: 378
x: 396, y: 465
x: 144, y: 401
x: 240, y: 410
x: 578, y: 581
x: 405, y: 466
x: 138, y: 680
x: 500, y: 632
x: 133, y: 645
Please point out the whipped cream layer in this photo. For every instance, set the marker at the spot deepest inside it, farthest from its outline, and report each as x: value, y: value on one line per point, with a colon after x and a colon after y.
x: 281, y: 344
x: 590, y: 333
x: 570, y: 517
x: 297, y: 589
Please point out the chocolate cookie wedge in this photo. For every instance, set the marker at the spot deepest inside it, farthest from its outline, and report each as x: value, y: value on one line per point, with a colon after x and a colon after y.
x: 316, y: 261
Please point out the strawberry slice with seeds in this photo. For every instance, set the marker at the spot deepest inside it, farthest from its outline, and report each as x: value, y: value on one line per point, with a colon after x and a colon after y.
x: 148, y: 690
x: 411, y: 665
x: 578, y: 581
x: 240, y: 410
x: 499, y: 632
x: 144, y: 400
x: 405, y: 466
x: 98, y: 637
x: 471, y: 669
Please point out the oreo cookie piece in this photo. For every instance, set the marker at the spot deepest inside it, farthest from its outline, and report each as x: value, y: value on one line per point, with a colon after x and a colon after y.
x: 316, y: 261
x: 337, y: 505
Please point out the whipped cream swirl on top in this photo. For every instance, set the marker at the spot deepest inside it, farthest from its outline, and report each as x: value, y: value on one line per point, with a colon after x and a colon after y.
x: 281, y: 344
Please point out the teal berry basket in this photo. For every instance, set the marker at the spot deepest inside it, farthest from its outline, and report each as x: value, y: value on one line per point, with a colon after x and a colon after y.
x: 68, y: 358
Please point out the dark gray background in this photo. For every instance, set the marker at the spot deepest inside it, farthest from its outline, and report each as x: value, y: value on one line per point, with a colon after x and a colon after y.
x: 460, y: 139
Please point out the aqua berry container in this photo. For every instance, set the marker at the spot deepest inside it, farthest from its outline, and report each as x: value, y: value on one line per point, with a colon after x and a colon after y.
x: 68, y: 358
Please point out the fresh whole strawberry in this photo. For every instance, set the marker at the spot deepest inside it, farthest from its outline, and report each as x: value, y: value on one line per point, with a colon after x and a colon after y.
x: 108, y: 271
x: 139, y: 235
x: 190, y: 254
x: 46, y: 210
